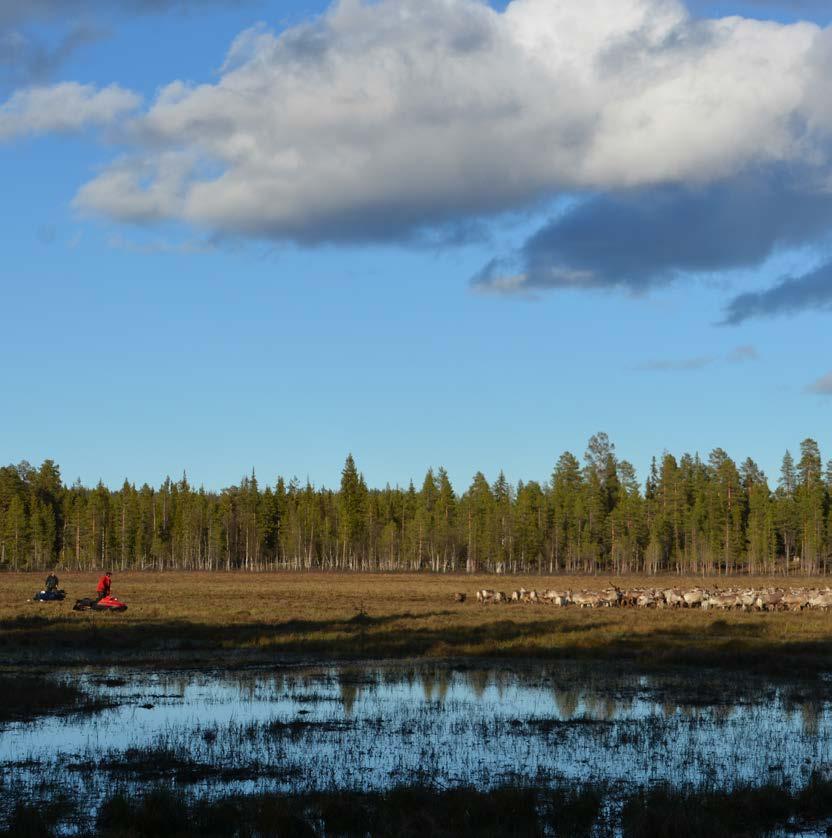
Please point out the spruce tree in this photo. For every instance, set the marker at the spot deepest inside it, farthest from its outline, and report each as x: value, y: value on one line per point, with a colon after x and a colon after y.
x: 351, y: 501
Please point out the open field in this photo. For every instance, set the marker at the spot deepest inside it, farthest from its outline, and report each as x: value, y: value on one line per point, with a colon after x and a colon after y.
x: 235, y: 619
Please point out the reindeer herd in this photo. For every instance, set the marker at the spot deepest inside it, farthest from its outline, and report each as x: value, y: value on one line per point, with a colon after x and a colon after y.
x: 720, y: 599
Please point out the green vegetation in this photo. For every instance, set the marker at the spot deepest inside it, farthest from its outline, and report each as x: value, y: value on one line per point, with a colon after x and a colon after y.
x: 692, y: 517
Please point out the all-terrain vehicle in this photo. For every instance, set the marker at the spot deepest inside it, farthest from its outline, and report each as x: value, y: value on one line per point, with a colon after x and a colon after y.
x: 49, y: 596
x: 108, y: 603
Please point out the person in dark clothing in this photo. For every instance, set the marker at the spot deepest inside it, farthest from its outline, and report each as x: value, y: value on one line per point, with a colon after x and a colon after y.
x: 51, y: 583
x: 103, y: 588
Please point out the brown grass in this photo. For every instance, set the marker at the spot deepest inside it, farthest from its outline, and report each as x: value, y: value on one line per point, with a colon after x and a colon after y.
x: 233, y: 619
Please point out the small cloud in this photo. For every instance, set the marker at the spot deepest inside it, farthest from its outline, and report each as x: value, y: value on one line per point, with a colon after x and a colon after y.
x: 678, y: 365
x: 823, y: 386
x: 508, y: 284
x: 498, y: 277
x: 792, y: 295
x: 119, y: 242
x: 742, y: 354
x: 66, y: 108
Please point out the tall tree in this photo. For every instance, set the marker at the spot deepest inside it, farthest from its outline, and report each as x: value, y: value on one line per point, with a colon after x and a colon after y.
x: 811, y: 500
x: 352, y: 511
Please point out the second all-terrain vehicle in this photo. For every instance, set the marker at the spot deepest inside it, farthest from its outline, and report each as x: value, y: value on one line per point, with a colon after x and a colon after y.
x: 107, y: 603
x: 49, y: 596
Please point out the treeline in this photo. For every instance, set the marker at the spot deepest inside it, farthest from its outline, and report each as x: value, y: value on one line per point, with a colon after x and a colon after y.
x: 691, y: 516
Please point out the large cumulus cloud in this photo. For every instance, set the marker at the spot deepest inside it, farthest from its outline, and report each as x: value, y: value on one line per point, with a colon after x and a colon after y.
x: 381, y: 121
x: 683, y: 145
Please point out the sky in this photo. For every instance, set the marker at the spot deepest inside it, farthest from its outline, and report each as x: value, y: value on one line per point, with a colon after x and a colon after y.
x: 261, y: 235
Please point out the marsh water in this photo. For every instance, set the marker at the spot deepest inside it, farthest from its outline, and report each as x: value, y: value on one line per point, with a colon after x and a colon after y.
x: 373, y: 727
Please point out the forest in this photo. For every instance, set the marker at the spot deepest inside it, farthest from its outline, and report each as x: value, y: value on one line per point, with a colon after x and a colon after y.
x: 691, y: 516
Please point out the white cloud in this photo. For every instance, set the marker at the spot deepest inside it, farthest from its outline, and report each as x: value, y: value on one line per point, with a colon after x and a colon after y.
x: 63, y: 108
x: 384, y: 119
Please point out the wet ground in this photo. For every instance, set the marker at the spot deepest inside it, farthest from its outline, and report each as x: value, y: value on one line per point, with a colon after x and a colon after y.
x: 372, y: 726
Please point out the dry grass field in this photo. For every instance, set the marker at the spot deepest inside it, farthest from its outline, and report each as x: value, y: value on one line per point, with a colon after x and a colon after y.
x: 235, y: 619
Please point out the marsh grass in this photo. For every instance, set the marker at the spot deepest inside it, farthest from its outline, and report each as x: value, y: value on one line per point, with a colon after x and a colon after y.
x: 663, y: 812
x: 236, y: 619
x: 420, y: 811
x: 400, y: 812
x: 37, y: 821
x: 158, y: 763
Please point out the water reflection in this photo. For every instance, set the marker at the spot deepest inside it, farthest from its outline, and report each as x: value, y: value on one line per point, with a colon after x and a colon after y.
x: 346, y: 727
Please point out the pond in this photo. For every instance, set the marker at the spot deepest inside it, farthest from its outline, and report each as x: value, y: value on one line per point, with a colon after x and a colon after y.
x: 327, y: 728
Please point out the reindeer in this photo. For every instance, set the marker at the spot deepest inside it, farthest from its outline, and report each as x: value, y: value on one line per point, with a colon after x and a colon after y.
x: 725, y: 602
x: 795, y: 601
x: 821, y: 600
x: 748, y: 599
x: 629, y: 599
x: 647, y: 599
x: 555, y: 598
x: 673, y: 598
x: 770, y: 600
x: 611, y: 597
x: 693, y: 598
x: 587, y: 599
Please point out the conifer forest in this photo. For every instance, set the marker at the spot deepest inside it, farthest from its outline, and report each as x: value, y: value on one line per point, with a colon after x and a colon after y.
x: 691, y: 515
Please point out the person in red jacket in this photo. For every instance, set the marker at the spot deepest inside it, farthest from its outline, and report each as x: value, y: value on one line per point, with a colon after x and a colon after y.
x: 103, y: 588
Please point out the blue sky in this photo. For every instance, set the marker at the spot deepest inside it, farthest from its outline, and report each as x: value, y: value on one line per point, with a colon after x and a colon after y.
x: 142, y: 347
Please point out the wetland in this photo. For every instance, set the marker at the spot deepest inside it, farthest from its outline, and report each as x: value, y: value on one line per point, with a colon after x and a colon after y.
x: 376, y: 705
x: 589, y: 735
